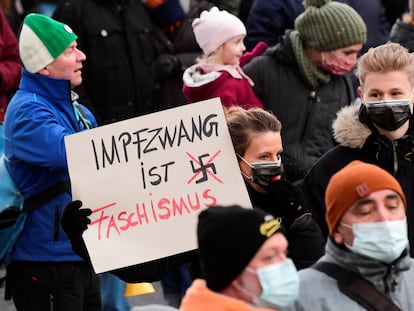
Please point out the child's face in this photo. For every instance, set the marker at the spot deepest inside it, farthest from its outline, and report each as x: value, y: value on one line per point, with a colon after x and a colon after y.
x: 229, y: 52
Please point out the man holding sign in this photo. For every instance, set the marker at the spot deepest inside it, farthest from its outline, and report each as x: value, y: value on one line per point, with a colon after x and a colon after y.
x: 44, y: 273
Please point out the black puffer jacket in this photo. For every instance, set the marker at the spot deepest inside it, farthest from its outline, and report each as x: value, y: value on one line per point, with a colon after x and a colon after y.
x: 306, y: 114
x: 358, y: 142
x: 403, y: 33
x: 306, y: 243
x: 118, y: 39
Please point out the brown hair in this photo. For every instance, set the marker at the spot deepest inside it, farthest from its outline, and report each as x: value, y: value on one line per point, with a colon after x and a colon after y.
x: 5, y: 6
x: 243, y: 123
x: 385, y: 58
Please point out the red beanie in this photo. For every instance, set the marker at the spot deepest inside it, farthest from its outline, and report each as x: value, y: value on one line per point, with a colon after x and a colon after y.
x: 353, y: 182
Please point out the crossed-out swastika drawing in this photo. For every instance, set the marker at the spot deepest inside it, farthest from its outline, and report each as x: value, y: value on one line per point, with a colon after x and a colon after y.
x: 205, y: 169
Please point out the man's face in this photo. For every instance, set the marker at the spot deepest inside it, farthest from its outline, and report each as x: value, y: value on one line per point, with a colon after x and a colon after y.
x: 382, y: 205
x: 274, y: 250
x: 392, y: 85
x: 67, y: 66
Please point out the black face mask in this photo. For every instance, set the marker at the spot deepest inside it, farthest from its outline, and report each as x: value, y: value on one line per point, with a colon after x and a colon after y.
x: 389, y: 115
x: 264, y: 173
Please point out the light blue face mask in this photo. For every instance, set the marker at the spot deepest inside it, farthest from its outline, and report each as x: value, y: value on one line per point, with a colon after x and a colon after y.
x: 384, y: 241
x: 280, y: 284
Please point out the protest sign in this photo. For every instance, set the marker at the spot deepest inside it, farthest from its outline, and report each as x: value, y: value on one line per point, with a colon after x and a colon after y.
x: 146, y: 179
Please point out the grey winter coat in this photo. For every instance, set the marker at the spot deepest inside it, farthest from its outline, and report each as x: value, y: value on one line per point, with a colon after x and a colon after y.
x: 320, y: 292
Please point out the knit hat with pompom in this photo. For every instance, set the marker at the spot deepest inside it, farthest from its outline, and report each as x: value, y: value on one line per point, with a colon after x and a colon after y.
x: 327, y: 25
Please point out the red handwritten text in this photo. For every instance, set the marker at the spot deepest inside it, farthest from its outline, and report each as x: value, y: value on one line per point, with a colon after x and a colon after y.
x: 111, y: 220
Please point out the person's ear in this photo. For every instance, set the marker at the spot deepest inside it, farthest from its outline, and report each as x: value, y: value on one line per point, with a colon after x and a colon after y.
x: 44, y: 71
x: 361, y: 93
x: 338, y: 237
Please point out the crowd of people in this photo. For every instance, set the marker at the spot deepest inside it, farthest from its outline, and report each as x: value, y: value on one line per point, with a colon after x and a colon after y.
x: 318, y: 99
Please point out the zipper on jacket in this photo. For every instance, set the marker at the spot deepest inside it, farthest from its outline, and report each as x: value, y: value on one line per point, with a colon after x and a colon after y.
x: 395, y: 156
x: 389, y: 280
x: 57, y: 224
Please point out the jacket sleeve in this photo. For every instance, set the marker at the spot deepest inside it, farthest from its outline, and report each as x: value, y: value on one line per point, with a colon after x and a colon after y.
x: 154, y: 270
x: 403, y: 34
x: 10, y: 65
x: 306, y: 244
x: 314, y: 195
x: 257, y: 50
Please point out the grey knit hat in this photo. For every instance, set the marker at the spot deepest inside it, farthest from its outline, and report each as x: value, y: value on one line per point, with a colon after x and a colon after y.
x: 327, y: 25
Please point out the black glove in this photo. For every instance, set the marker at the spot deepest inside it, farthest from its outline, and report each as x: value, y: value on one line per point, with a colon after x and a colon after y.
x: 8, y: 217
x: 287, y: 201
x: 166, y: 65
x: 74, y: 221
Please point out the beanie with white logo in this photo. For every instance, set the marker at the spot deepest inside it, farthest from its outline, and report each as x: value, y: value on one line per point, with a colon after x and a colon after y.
x: 42, y: 39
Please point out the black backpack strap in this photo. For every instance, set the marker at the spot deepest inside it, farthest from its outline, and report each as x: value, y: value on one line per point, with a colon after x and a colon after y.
x: 44, y: 196
x: 357, y: 288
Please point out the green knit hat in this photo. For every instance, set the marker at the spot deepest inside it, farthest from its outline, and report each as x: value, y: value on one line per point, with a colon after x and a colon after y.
x: 327, y: 25
x: 42, y: 40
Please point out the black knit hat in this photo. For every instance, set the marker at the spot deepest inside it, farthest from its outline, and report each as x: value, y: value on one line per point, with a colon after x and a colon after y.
x: 327, y: 25
x: 228, y: 239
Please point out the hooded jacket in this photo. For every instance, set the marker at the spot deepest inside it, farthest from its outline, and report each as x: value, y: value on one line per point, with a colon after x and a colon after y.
x: 306, y: 114
x: 38, y: 118
x: 204, y: 80
x: 199, y: 297
x: 319, y: 292
x: 226, y: 81
x: 357, y: 141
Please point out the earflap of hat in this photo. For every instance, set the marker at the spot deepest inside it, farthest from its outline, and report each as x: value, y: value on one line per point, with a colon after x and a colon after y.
x: 33, y: 53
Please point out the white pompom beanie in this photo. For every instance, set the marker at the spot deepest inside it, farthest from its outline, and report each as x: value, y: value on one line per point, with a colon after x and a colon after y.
x: 215, y: 27
x: 41, y: 40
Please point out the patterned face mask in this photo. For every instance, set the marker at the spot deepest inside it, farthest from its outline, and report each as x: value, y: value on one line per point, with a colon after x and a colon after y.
x: 338, y: 66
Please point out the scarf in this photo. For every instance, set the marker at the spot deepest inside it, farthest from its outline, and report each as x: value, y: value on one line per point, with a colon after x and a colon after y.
x: 313, y: 76
x: 234, y: 70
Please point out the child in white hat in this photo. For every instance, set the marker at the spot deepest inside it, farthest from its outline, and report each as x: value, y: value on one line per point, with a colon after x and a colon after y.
x: 218, y: 73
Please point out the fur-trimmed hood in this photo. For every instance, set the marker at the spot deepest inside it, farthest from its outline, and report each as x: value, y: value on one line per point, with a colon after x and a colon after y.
x: 348, y: 131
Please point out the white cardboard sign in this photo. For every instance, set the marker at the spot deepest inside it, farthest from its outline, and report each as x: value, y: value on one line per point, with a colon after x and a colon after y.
x: 146, y: 179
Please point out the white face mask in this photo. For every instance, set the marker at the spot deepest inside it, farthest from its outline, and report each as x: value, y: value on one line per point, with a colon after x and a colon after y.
x: 280, y: 284
x: 384, y: 241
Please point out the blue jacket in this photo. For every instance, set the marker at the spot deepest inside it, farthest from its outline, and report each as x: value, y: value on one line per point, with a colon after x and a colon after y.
x: 38, y: 118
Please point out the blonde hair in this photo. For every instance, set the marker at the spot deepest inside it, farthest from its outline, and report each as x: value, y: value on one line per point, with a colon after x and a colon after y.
x: 385, y: 58
x: 244, y: 123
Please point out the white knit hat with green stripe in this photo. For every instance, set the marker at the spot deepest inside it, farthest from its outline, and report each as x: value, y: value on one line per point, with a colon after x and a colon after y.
x: 42, y: 40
